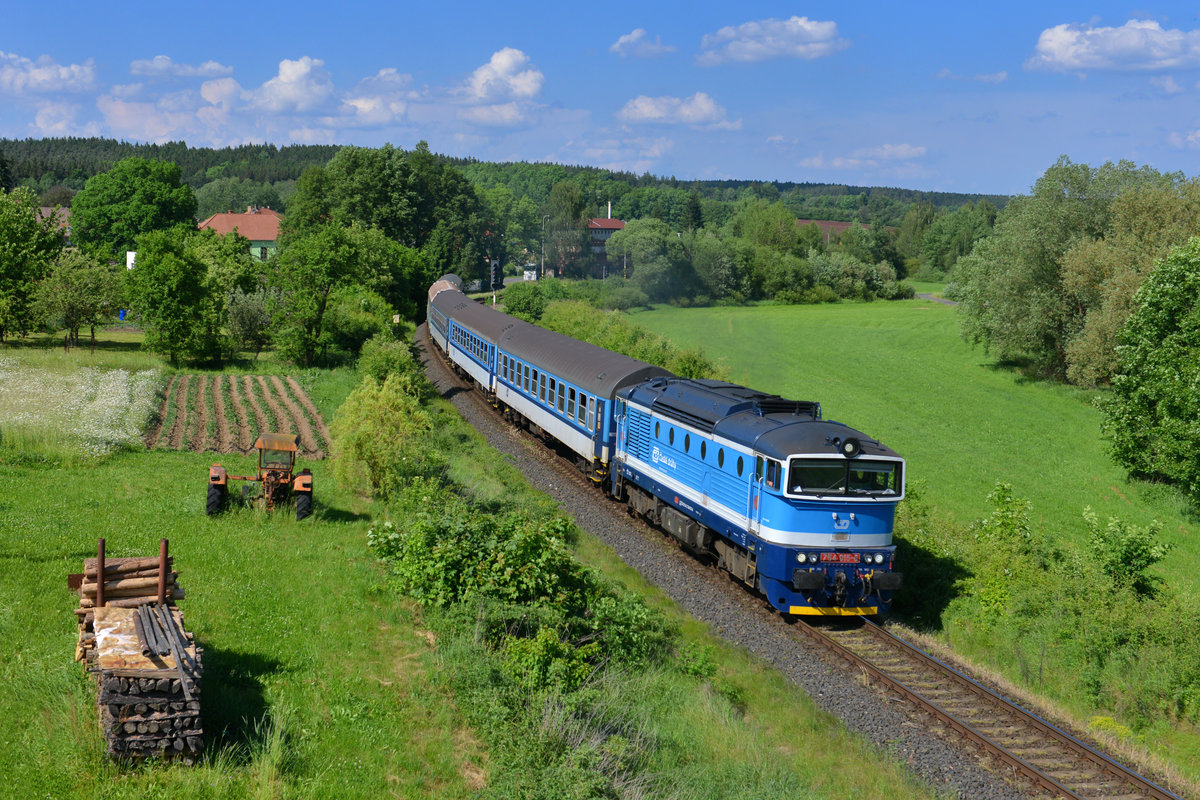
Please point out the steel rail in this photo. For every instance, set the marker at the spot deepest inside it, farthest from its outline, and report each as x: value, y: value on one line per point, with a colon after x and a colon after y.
x: 1079, y: 749
x: 1043, y: 781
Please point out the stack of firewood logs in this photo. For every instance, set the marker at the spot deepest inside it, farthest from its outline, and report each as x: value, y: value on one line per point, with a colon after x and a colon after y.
x: 128, y: 583
x: 132, y: 639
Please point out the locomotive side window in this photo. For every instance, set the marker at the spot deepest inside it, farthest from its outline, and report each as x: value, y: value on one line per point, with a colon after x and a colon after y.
x: 702, y: 450
x: 758, y: 467
x: 740, y: 465
x: 687, y: 442
x: 670, y: 436
x: 774, y: 472
x: 657, y: 430
x: 720, y: 456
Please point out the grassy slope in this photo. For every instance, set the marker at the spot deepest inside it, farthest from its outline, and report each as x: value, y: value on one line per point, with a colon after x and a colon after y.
x: 318, y: 683
x: 899, y: 371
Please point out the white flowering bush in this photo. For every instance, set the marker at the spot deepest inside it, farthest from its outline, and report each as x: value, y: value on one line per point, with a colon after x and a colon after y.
x: 84, y: 414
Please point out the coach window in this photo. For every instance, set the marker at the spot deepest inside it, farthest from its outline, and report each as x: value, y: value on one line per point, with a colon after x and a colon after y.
x: 542, y: 387
x: 571, y: 403
x: 591, y: 424
x: 562, y: 398
x: 526, y: 379
x: 581, y: 411
x: 550, y: 394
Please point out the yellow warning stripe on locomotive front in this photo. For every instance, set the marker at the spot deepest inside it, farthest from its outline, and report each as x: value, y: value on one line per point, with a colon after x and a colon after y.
x: 810, y: 611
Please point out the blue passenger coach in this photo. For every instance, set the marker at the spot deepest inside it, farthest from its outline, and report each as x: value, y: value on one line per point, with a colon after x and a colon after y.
x: 798, y: 507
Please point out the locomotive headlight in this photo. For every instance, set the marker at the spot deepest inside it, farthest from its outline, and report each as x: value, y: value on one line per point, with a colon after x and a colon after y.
x: 801, y: 557
x: 879, y: 558
x: 813, y: 558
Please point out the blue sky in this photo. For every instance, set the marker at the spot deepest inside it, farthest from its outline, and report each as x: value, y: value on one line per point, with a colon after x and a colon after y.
x: 949, y: 97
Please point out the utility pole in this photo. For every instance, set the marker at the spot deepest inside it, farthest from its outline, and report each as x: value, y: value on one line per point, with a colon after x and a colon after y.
x: 542, y: 269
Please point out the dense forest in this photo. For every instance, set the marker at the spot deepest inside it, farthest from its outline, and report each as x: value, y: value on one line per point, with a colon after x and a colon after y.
x: 43, y: 164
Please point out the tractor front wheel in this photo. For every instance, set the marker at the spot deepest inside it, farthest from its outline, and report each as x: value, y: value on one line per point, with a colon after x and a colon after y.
x: 304, y: 502
x: 216, y: 499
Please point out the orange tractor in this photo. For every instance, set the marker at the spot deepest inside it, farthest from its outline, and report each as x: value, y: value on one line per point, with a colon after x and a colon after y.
x: 276, y: 460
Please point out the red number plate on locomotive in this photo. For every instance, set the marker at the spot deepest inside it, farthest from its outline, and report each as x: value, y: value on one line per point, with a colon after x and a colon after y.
x: 840, y: 558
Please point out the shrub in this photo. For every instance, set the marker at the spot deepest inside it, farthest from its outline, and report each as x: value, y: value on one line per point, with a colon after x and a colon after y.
x: 379, y: 437
x: 525, y: 301
x: 383, y: 355
x: 1125, y: 552
x: 547, y: 662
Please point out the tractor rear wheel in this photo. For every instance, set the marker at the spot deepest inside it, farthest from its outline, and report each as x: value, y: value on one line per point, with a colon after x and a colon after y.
x: 216, y: 499
x: 303, y: 504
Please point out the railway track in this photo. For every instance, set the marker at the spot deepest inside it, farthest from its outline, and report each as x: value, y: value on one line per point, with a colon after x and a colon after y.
x: 1050, y: 758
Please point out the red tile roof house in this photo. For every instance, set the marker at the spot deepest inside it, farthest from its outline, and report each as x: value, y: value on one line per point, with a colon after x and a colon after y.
x: 259, y: 225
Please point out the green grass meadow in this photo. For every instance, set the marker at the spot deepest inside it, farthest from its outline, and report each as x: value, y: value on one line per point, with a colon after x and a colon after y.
x: 899, y: 371
x: 320, y: 681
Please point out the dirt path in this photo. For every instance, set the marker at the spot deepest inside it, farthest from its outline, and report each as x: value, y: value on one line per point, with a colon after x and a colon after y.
x: 175, y: 440
x: 245, y: 434
x: 308, y: 442
x: 199, y: 439
x: 225, y: 442
x: 302, y: 396
x: 155, y: 433
x: 259, y: 417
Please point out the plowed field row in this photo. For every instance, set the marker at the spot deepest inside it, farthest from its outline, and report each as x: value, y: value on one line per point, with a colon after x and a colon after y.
x: 226, y: 413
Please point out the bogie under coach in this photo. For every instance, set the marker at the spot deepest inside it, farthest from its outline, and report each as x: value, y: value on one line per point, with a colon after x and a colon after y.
x: 798, y: 507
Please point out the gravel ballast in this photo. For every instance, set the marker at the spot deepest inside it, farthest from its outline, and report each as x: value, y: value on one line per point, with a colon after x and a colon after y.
x: 734, y: 614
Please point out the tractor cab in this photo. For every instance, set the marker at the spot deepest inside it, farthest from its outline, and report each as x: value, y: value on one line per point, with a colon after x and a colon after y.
x: 276, y: 451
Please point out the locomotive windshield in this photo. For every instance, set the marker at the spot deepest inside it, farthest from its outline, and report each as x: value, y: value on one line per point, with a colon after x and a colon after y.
x: 823, y: 476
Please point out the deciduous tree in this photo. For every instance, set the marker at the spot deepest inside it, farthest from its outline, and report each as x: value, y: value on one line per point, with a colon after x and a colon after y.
x: 28, y: 245
x: 134, y: 197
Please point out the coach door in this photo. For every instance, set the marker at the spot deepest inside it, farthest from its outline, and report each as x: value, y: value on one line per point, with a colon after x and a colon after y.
x: 754, y: 514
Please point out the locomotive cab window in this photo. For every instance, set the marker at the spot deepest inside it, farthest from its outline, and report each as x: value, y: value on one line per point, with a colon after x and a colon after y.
x: 832, y: 476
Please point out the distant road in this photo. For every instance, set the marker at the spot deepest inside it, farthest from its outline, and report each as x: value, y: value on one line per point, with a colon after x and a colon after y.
x: 937, y: 299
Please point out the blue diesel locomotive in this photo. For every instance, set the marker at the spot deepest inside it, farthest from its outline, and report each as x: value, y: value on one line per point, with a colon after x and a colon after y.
x: 797, y: 507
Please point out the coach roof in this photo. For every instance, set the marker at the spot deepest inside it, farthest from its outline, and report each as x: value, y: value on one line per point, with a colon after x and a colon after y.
x: 595, y: 370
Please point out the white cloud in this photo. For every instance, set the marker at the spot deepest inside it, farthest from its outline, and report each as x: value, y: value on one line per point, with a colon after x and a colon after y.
x: 1166, y: 84
x: 798, y: 37
x: 301, y: 85
x: 990, y: 77
x: 380, y: 99
x: 1188, y: 140
x: 866, y: 158
x: 58, y: 119
x: 699, y: 109
x: 141, y: 121
x: 1136, y: 45
x: 163, y: 66
x: 637, y: 45
x: 19, y: 75
x: 499, y: 114
x: 507, y: 75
